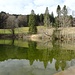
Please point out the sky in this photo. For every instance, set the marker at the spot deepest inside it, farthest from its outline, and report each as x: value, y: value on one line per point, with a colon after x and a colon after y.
x: 39, y: 6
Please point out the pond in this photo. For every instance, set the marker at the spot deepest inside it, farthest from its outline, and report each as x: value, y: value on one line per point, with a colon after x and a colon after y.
x: 21, y: 57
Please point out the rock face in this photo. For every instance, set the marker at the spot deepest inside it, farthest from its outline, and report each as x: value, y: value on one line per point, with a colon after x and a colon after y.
x: 69, y: 71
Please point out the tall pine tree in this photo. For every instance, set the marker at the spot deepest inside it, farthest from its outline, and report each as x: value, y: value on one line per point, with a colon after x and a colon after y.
x: 58, y: 16
x: 52, y: 19
x: 46, y: 18
x: 32, y: 23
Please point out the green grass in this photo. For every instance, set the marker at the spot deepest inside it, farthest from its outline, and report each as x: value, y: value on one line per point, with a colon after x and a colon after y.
x: 16, y: 43
x: 5, y: 41
x: 38, y: 27
x: 19, y: 30
x: 21, y: 43
x: 5, y: 31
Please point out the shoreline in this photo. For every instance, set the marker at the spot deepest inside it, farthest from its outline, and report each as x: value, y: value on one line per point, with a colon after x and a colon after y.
x: 67, y: 33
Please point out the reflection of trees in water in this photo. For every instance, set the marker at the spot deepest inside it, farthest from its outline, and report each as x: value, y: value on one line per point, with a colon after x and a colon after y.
x: 59, y: 64
x: 45, y: 57
x: 31, y: 51
x: 2, y: 53
x: 56, y: 44
x: 32, y: 54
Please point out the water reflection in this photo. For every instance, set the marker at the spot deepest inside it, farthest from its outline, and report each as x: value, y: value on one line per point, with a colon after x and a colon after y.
x: 22, y: 67
x: 31, y: 60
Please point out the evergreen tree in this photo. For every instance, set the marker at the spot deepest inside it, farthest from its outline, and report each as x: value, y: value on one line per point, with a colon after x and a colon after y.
x: 46, y: 18
x: 58, y: 16
x: 41, y: 19
x: 37, y: 19
x: 32, y: 23
x: 64, y: 11
x: 52, y: 19
x: 58, y: 10
x: 65, y: 17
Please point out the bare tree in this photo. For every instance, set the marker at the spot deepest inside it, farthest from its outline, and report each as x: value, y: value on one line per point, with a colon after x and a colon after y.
x: 12, y: 23
x: 65, y: 18
x: 3, y: 18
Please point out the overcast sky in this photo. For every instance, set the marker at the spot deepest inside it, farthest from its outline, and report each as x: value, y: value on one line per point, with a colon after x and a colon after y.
x: 39, y: 6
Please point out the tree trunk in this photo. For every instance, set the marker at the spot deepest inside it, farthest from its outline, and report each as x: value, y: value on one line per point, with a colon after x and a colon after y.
x: 13, y: 34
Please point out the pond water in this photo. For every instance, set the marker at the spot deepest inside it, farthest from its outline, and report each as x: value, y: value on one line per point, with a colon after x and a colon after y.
x: 20, y: 57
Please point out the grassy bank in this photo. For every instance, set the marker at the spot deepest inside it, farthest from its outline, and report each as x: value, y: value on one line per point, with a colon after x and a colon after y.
x: 19, y: 30
x: 41, y: 29
x: 67, y: 33
x: 5, y: 31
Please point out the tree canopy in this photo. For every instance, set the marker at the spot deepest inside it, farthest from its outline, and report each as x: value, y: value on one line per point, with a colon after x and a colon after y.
x: 47, y: 18
x: 32, y: 23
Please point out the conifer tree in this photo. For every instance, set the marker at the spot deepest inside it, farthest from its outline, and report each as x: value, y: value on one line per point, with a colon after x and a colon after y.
x: 46, y: 18
x: 32, y: 23
x: 52, y: 19
x: 58, y: 10
x: 58, y: 16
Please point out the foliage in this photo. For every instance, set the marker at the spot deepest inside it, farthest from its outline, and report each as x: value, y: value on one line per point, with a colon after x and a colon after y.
x: 58, y: 10
x: 37, y: 19
x: 52, y: 19
x: 46, y: 18
x: 3, y: 18
x: 64, y: 11
x: 22, y: 20
x: 63, y: 19
x: 41, y: 19
x: 32, y: 23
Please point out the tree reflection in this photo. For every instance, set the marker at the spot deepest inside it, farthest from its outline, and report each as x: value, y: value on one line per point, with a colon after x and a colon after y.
x: 31, y: 53
x: 57, y: 65
x: 63, y: 64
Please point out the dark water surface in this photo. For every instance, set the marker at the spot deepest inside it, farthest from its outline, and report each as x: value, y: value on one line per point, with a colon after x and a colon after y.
x: 34, y: 58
